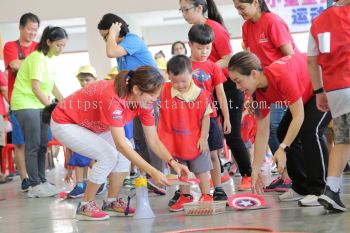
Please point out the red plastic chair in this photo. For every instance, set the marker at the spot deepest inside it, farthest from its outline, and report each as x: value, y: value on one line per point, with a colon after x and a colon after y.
x: 54, y: 142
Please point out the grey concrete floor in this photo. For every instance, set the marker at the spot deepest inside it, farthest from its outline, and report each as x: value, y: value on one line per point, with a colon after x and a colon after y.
x: 45, y: 215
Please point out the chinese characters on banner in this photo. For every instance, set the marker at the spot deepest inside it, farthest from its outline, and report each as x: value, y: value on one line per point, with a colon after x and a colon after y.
x: 298, y: 14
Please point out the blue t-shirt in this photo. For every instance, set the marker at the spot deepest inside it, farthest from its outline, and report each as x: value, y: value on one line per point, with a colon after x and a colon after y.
x: 138, y: 54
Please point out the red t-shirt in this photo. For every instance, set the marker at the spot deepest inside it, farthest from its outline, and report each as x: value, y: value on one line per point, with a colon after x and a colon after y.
x: 3, y: 83
x: 221, y: 44
x: 11, y: 54
x: 288, y: 80
x: 207, y: 75
x: 97, y: 107
x: 336, y: 63
x: 265, y: 37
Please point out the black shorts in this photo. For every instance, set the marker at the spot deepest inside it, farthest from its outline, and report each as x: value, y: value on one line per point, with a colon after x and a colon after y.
x: 215, y: 136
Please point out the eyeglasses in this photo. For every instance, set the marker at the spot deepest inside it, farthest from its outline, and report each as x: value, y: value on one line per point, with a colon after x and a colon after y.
x: 185, y: 10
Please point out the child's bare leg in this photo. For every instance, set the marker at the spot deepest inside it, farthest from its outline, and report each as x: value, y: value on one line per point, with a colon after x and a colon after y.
x: 204, y: 182
x: 216, y: 171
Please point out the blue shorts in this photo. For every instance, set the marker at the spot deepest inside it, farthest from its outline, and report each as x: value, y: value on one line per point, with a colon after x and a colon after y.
x: 215, y: 136
x: 79, y: 160
x: 17, y: 135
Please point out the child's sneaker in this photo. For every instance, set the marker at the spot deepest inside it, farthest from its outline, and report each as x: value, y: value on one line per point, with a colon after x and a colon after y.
x: 183, y: 199
x: 78, y: 191
x: 101, y: 189
x: 174, y: 198
x: 246, y: 183
x: 127, y: 182
x: 90, y: 212
x: 206, y: 197
x: 271, y: 187
x: 117, y: 208
x: 219, y: 194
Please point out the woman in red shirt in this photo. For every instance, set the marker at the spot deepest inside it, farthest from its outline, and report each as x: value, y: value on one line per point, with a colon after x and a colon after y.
x: 194, y: 12
x: 267, y: 36
x: 91, y: 121
x: 286, y: 82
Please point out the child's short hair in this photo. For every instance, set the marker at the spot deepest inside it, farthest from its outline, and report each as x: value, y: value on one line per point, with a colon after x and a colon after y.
x: 179, y: 64
x: 86, y: 71
x: 201, y: 34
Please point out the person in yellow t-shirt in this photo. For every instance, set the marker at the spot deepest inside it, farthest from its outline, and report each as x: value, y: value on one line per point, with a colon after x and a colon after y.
x: 33, y: 86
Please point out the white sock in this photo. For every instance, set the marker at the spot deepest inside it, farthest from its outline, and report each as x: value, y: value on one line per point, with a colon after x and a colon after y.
x: 84, y: 202
x: 334, y: 183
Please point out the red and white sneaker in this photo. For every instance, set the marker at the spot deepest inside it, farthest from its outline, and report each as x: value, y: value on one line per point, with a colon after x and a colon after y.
x: 246, y: 183
x: 90, y: 212
x: 206, y: 197
x: 178, y: 205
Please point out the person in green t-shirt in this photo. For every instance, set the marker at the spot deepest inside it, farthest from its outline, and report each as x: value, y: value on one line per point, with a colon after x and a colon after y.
x: 33, y: 86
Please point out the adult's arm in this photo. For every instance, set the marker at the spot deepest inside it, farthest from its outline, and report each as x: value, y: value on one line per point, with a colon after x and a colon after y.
x: 43, y: 98
x: 114, y: 50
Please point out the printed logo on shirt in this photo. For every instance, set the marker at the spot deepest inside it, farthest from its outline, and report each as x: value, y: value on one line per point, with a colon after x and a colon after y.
x: 201, y: 77
x: 263, y: 38
x: 117, y: 114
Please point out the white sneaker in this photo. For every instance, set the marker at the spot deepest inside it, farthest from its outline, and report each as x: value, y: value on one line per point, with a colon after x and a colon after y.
x: 290, y: 195
x: 51, y: 188
x: 309, y: 200
x: 39, y: 191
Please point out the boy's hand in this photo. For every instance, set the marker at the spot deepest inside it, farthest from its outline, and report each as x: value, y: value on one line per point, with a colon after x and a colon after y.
x: 69, y: 177
x: 202, y: 145
x: 227, y: 126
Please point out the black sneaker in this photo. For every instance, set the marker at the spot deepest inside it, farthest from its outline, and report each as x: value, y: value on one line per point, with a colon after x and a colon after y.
x: 331, y: 201
x: 25, y: 185
x: 174, y: 199
x: 219, y: 194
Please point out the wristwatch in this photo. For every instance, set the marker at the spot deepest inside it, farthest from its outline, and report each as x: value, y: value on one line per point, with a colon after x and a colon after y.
x: 285, y: 147
x: 318, y: 91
